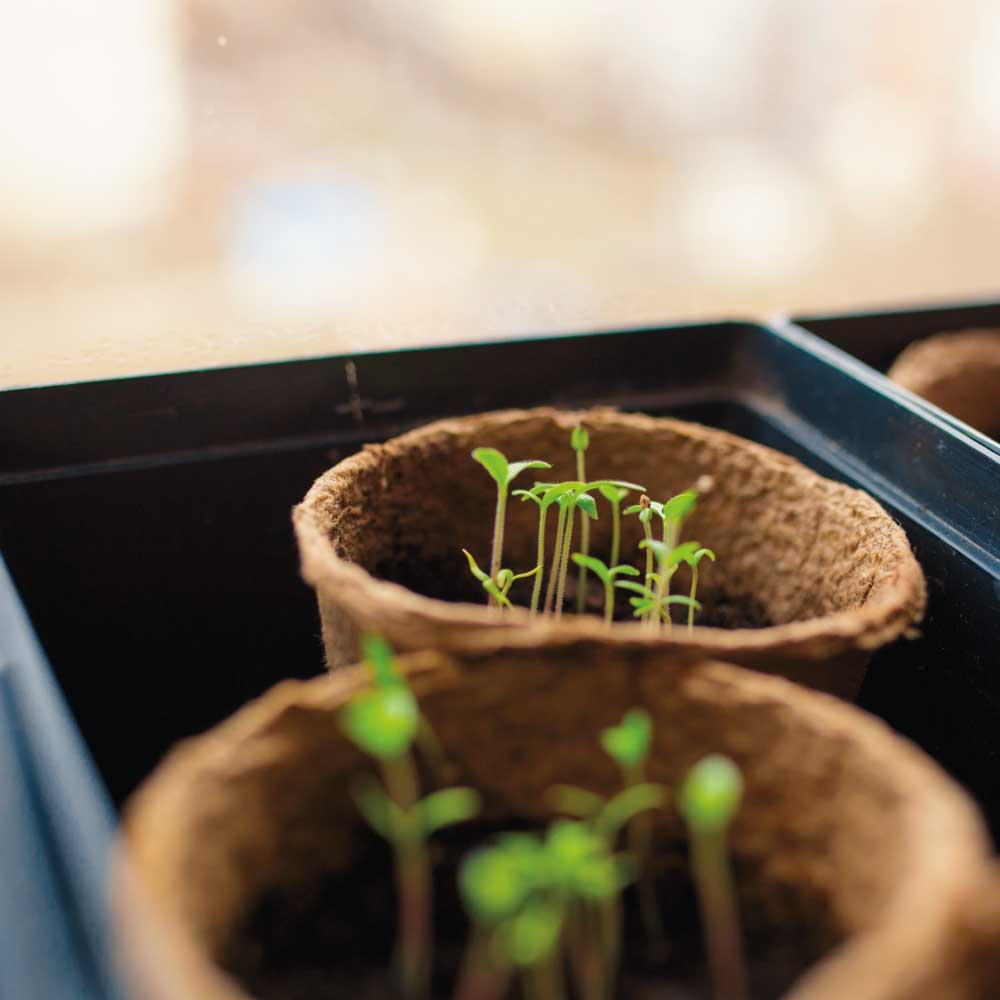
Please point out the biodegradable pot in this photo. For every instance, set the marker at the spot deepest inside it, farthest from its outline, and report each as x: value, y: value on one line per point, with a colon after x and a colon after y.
x: 845, y: 827
x: 822, y: 566
x: 960, y: 372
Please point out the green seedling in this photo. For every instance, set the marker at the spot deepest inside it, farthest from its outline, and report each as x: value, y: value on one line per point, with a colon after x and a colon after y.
x: 654, y: 604
x: 628, y: 745
x: 607, y: 577
x: 543, y: 495
x: 385, y: 721
x: 503, y: 474
x: 499, y: 587
x: 568, y: 502
x: 644, y: 508
x: 615, y: 495
x: 709, y: 798
x: 606, y: 819
x: 579, y: 441
x: 529, y: 898
x: 693, y: 559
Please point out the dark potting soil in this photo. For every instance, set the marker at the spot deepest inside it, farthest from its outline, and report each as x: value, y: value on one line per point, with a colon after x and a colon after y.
x: 439, y: 579
x: 332, y: 940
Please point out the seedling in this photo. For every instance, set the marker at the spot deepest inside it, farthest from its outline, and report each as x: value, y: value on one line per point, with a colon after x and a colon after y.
x: 384, y: 721
x: 503, y: 473
x: 544, y: 495
x: 628, y: 744
x: 568, y: 503
x: 615, y: 495
x: 579, y: 441
x: 528, y: 897
x: 497, y: 588
x: 607, y: 577
x: 709, y: 798
x: 692, y: 559
x: 656, y: 603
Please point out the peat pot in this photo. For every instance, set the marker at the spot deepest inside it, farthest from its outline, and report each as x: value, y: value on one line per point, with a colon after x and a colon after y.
x: 811, y: 576
x: 854, y: 855
x: 959, y: 372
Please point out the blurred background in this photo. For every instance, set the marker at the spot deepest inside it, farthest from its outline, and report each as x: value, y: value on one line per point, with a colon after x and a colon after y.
x: 205, y: 182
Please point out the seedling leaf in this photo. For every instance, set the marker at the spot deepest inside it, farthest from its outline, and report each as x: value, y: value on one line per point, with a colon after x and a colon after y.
x: 492, y: 885
x: 637, y: 588
x: 682, y: 553
x: 659, y: 548
x: 474, y: 567
x: 531, y: 935
x: 613, y: 494
x: 448, y: 807
x: 494, y: 462
x: 383, y: 721
x: 587, y: 504
x: 628, y: 803
x: 516, y: 468
x: 595, y: 565
x: 628, y: 742
x: 711, y: 793
x: 679, y: 507
x: 624, y: 484
x: 376, y: 807
x: 575, y: 801
x: 579, y: 438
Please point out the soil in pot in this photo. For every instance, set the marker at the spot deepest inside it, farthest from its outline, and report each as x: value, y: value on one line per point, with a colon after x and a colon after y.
x: 303, y: 944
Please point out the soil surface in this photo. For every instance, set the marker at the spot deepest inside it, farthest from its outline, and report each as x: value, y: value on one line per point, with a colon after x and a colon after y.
x: 333, y: 940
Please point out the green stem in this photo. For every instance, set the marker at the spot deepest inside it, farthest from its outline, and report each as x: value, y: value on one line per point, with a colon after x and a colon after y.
x: 640, y: 835
x: 616, y: 531
x: 669, y: 543
x: 498, y: 524
x: 544, y: 980
x: 537, y: 589
x: 609, y: 601
x: 719, y: 914
x: 585, y: 956
x: 556, y: 555
x: 564, y: 567
x: 694, y: 590
x: 653, y: 616
x: 581, y: 593
x: 481, y: 977
x: 610, y: 919
x: 413, y: 947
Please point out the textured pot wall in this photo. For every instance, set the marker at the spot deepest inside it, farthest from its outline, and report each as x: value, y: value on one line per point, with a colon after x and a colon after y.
x: 823, y: 562
x: 843, y: 821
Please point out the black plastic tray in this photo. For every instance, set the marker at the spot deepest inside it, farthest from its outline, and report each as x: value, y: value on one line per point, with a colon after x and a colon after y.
x: 145, y: 521
x: 876, y: 338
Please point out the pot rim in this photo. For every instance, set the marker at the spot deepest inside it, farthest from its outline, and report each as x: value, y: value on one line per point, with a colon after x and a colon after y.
x: 895, y: 604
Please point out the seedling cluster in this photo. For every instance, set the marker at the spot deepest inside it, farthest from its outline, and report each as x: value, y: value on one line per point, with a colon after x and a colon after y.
x: 545, y: 908
x: 575, y: 501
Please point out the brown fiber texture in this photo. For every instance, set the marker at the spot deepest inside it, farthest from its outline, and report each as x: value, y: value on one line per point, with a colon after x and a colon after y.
x: 837, y: 811
x: 380, y: 537
x: 960, y: 372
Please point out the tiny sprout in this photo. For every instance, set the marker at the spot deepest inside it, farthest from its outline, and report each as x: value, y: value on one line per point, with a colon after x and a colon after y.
x: 384, y: 721
x: 709, y: 798
x: 693, y: 559
x: 628, y: 744
x: 607, y: 577
x: 644, y: 509
x: 579, y: 439
x: 503, y: 473
x: 568, y: 502
x: 490, y: 585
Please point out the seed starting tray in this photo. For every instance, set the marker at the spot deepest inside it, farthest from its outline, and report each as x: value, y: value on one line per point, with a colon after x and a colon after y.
x: 145, y: 525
